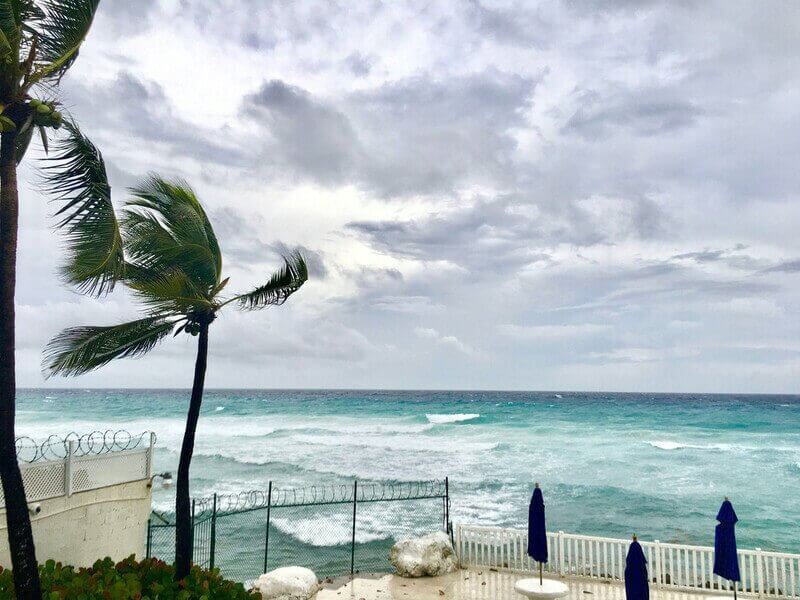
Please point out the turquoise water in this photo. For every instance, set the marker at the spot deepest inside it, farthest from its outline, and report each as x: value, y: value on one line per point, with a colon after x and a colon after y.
x: 610, y: 464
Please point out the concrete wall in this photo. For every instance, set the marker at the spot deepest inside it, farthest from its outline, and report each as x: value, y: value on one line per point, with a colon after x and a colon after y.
x: 77, y: 530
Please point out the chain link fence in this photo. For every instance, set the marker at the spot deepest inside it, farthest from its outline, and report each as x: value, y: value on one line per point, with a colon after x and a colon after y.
x: 333, y: 530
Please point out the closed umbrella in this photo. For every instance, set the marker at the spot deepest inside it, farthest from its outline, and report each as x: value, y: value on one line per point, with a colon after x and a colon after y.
x: 726, y: 561
x: 537, y: 533
x: 636, y: 580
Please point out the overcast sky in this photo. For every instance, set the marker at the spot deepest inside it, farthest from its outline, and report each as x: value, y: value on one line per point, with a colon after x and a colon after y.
x: 548, y: 196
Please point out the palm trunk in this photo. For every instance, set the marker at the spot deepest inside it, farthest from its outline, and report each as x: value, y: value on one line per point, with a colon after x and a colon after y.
x: 183, y: 517
x: 20, y: 535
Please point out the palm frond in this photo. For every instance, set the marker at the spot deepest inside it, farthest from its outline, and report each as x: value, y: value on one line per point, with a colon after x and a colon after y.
x: 60, y: 34
x: 283, y: 283
x: 76, y: 177
x: 16, y: 16
x: 186, y: 239
x: 165, y: 290
x: 9, y: 25
x: 78, y: 350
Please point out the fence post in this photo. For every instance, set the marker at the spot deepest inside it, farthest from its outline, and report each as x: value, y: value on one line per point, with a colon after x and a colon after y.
x: 560, y: 544
x: 266, y: 536
x: 213, y: 545
x: 657, y: 560
x: 68, y: 468
x: 353, y: 539
x: 149, y: 542
x: 760, y: 571
x: 150, y: 455
x: 459, y: 553
x: 447, y: 505
x: 191, y: 553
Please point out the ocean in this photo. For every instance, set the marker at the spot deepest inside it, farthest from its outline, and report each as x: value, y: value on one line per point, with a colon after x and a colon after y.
x: 610, y: 464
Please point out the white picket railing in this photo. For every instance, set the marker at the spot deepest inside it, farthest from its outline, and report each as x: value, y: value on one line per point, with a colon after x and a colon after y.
x: 670, y: 566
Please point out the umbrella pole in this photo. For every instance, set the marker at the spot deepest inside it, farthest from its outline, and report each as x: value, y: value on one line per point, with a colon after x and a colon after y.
x: 734, y: 590
x: 540, y: 575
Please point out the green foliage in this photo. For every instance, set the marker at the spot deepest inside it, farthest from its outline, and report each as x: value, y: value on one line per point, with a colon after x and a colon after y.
x: 75, y: 176
x: 281, y: 285
x: 78, y: 350
x: 149, y: 579
x: 172, y: 262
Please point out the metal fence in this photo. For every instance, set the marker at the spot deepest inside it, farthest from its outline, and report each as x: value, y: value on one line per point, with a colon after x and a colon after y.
x: 670, y: 566
x: 62, y: 466
x: 333, y: 530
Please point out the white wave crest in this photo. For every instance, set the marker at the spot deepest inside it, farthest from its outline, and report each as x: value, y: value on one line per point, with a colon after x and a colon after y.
x: 667, y: 445
x: 450, y: 418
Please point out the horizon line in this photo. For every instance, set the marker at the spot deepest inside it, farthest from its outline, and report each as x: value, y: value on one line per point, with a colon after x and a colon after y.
x: 418, y: 390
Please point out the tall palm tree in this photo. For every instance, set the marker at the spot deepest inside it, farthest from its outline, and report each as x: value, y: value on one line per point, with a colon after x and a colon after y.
x: 174, y: 267
x: 39, y: 41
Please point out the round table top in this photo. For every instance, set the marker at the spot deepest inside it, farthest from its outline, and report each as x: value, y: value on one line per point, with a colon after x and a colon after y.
x: 549, y: 589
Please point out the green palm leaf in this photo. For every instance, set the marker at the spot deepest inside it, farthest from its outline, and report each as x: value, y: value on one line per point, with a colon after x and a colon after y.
x: 280, y: 286
x: 76, y: 176
x: 166, y: 225
x: 166, y: 290
x: 60, y: 34
x: 78, y: 350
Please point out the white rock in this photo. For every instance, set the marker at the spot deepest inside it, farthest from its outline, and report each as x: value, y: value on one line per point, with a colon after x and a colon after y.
x: 287, y: 583
x: 429, y: 555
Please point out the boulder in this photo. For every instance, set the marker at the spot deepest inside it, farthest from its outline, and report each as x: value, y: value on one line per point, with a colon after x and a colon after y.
x: 287, y: 583
x: 427, y: 556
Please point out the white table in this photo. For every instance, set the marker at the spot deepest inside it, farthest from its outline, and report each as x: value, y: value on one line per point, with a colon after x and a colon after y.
x: 549, y: 589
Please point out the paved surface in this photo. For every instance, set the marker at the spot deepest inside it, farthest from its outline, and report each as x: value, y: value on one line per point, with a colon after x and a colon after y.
x: 472, y: 585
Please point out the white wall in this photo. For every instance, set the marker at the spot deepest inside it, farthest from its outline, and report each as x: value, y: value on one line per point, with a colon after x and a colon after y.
x: 79, y: 529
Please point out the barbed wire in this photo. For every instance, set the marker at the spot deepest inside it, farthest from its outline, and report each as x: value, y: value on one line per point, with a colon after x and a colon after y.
x: 56, y: 447
x: 317, y: 495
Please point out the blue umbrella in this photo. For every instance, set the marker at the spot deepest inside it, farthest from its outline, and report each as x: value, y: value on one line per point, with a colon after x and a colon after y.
x: 726, y: 561
x: 636, y: 580
x: 537, y: 534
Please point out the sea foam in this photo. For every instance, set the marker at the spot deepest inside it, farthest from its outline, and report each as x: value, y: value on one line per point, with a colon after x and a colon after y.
x: 439, y: 419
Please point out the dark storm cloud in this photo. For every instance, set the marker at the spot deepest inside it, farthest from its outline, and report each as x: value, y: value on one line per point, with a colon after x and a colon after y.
x: 312, y: 138
x: 547, y: 184
x: 415, y: 136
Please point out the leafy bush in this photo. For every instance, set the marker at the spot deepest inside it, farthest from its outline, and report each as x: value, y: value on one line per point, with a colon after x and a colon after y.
x: 149, y: 579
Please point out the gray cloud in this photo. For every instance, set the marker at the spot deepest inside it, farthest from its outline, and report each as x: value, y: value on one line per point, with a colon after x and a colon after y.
x: 314, y: 139
x: 414, y: 136
x: 241, y: 241
x: 523, y: 194
x: 787, y: 266
x: 645, y: 112
x: 131, y: 109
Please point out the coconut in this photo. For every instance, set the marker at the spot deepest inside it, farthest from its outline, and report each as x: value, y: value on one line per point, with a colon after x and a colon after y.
x: 43, y: 109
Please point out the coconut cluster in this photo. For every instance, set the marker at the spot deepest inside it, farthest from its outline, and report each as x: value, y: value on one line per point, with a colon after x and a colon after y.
x: 45, y: 115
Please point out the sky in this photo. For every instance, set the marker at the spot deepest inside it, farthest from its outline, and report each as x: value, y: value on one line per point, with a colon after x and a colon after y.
x: 565, y: 195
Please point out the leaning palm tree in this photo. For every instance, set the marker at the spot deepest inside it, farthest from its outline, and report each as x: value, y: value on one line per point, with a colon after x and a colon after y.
x: 39, y: 41
x: 174, y: 266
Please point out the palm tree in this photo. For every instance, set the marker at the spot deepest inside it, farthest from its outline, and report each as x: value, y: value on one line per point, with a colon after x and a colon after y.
x: 174, y: 266
x: 39, y: 41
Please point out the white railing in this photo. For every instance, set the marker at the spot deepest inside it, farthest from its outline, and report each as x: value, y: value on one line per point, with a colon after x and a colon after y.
x: 44, y: 479
x: 670, y: 566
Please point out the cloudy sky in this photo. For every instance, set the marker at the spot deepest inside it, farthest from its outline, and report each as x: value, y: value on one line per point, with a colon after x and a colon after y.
x: 503, y: 195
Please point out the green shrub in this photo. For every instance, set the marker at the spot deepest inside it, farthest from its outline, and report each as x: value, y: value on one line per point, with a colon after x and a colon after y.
x: 149, y: 579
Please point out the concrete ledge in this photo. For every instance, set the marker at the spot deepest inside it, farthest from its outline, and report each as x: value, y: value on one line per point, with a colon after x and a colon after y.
x: 79, y: 529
